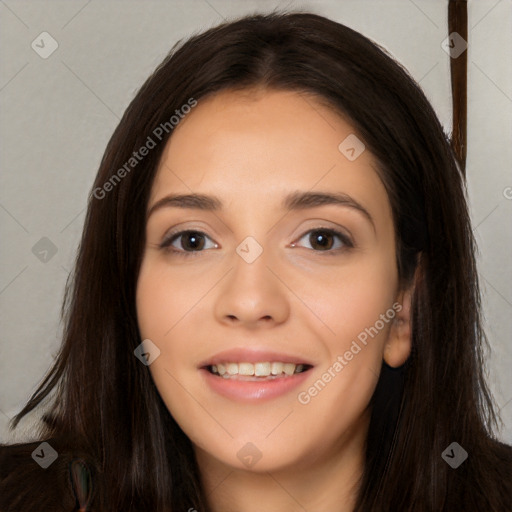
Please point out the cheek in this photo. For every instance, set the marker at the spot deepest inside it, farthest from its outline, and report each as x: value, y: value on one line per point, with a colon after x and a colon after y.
x: 164, y: 296
x: 170, y: 311
x: 358, y: 310
x: 351, y: 301
x: 163, y: 301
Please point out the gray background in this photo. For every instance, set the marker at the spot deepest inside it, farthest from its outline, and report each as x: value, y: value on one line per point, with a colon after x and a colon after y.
x: 58, y: 114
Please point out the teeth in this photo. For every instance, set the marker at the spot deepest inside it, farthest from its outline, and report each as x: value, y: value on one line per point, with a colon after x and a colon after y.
x: 277, y: 368
x: 289, y: 368
x: 232, y: 368
x: 263, y: 369
x: 247, y: 369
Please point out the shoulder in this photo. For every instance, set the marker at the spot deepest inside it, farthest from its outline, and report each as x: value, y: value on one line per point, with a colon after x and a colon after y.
x: 502, y: 467
x: 485, y: 478
x: 39, y: 475
x: 500, y: 474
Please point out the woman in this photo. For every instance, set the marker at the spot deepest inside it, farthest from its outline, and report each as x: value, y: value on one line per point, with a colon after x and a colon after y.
x: 275, y: 303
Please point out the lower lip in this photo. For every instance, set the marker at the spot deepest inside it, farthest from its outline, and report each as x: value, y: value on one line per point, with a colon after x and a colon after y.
x: 244, y: 390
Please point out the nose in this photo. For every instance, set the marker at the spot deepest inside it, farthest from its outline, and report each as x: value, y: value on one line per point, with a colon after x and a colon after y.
x: 252, y: 294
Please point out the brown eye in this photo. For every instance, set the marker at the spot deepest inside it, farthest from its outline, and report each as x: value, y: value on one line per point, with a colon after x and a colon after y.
x: 190, y: 241
x: 321, y: 239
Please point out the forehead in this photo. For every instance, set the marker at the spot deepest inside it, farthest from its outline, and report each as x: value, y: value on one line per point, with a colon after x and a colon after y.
x: 260, y: 145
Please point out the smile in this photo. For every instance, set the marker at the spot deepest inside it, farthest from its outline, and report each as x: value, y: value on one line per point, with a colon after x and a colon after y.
x: 258, y: 383
x: 273, y: 369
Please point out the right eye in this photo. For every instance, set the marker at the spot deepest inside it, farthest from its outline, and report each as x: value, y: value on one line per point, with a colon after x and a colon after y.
x: 191, y: 241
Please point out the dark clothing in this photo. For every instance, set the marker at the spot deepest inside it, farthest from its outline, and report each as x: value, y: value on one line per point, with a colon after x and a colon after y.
x: 62, y: 486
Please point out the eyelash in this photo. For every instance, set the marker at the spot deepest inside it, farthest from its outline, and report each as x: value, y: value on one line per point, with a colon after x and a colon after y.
x: 166, y: 243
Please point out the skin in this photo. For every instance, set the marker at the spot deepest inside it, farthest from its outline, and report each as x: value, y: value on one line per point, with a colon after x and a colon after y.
x: 250, y: 149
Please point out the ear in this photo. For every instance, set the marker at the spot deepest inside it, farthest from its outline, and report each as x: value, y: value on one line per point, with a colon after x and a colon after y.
x: 398, y: 345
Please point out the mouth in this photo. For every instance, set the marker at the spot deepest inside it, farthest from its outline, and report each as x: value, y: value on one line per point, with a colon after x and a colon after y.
x: 259, y: 371
x: 257, y: 382
x: 254, y: 375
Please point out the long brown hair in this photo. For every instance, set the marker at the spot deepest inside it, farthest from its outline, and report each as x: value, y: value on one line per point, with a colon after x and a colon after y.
x: 106, y: 405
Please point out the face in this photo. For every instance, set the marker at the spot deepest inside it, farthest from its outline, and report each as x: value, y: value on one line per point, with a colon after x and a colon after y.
x: 258, y: 279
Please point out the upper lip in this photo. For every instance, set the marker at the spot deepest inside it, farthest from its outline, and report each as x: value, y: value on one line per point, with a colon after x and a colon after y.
x: 245, y: 355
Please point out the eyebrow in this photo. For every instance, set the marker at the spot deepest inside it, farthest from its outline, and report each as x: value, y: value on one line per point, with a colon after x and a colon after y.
x: 294, y: 201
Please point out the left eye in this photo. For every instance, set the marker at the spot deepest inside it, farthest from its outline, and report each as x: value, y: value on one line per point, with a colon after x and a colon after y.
x: 321, y: 237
